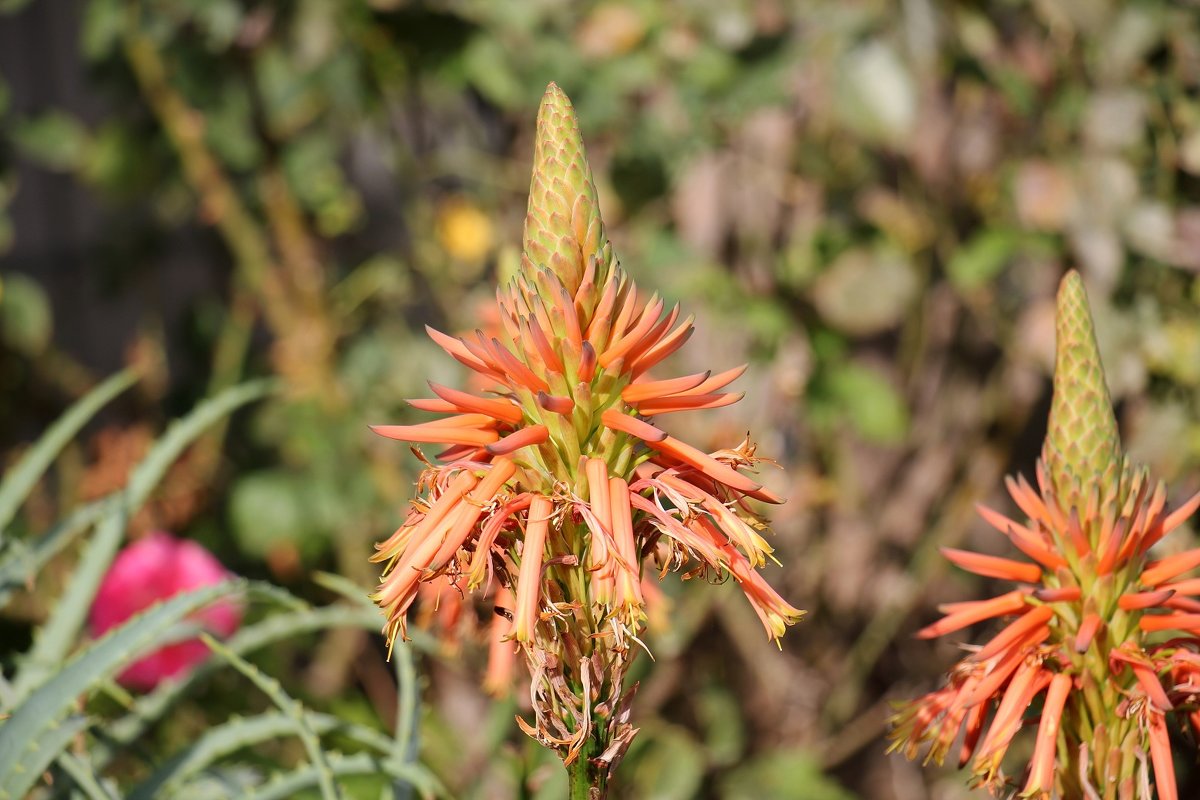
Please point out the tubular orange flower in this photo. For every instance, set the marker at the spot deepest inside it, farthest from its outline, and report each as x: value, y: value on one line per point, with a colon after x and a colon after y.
x: 557, y: 485
x: 1090, y: 612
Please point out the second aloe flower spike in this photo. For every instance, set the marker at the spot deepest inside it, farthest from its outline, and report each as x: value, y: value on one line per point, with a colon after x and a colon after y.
x: 1101, y: 644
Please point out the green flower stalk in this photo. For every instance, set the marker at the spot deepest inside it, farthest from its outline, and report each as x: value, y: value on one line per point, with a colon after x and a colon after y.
x: 559, y: 494
x: 1102, y: 644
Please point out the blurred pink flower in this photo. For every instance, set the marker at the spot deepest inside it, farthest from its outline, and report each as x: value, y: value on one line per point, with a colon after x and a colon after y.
x: 152, y: 569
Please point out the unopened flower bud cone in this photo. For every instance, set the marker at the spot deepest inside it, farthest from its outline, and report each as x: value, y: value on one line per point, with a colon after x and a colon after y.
x: 558, y: 491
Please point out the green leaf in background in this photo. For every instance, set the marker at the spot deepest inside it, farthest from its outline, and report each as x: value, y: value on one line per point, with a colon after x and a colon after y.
x: 19, y: 481
x: 31, y: 738
x: 783, y: 775
x: 982, y: 258
x: 102, y: 25
x: 274, y: 507
x: 57, y: 636
x: 56, y: 140
x: 725, y: 731
x: 870, y: 403
x: 666, y: 763
x: 26, y: 320
x: 865, y: 292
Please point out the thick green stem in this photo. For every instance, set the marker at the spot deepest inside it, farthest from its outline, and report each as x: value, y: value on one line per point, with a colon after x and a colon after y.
x: 585, y: 781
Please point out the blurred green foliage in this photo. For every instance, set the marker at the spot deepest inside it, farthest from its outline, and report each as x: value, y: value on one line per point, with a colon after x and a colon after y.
x: 870, y: 202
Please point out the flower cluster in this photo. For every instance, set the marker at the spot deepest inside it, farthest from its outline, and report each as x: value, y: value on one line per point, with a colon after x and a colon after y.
x: 1103, y: 637
x: 557, y: 488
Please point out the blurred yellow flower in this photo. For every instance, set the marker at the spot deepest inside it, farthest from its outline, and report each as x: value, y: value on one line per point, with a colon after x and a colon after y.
x: 463, y: 230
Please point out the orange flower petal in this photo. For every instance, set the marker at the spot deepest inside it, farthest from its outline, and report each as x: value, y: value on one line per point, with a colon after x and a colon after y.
x: 1087, y: 632
x: 993, y: 566
x: 1161, y: 758
x: 1157, y: 572
x: 1041, y: 769
x: 556, y: 404
x: 1028, y: 542
x: 525, y: 437
x: 529, y: 578
x: 587, y: 362
x: 718, y: 381
x: 647, y: 390
x: 975, y: 611
x: 623, y: 344
x: 706, y: 464
x: 675, y: 340
x: 1016, y: 631
x: 458, y: 349
x: 625, y: 423
x: 1066, y: 594
x: 437, y: 406
x: 1135, y: 601
x: 500, y: 409
x: 1166, y: 622
x: 1191, y: 586
x: 696, y: 402
x: 433, y: 433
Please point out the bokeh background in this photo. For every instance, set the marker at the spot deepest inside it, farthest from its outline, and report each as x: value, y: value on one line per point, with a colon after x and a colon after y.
x: 871, y: 202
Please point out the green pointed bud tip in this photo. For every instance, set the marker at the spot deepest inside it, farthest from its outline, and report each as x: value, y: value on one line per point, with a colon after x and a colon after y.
x: 1083, y: 447
x: 564, y: 216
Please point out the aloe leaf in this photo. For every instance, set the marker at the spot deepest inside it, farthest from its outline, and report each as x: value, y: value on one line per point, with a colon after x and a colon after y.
x: 405, y: 743
x: 343, y: 586
x: 278, y: 627
x: 229, y: 737
x: 55, y: 638
x: 21, y: 478
x: 84, y: 778
x: 325, y: 778
x: 24, y: 559
x: 35, y: 721
x: 289, y: 784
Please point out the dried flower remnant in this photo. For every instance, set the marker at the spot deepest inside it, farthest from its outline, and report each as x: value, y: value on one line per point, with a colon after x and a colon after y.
x: 557, y: 486
x: 1101, y: 637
